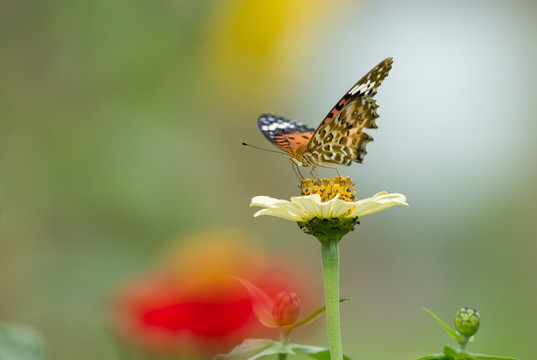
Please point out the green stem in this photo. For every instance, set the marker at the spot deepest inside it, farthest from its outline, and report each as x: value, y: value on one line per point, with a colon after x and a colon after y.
x: 330, y: 259
x: 463, y: 343
x: 284, y: 340
x: 284, y: 336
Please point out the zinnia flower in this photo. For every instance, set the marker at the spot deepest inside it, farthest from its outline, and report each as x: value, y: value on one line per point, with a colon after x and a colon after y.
x: 304, y: 208
x: 326, y: 199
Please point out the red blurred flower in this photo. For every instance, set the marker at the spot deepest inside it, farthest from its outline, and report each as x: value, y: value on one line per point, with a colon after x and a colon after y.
x: 191, y: 304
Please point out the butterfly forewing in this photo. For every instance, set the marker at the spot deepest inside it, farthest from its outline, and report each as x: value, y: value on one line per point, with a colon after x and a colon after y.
x: 286, y: 134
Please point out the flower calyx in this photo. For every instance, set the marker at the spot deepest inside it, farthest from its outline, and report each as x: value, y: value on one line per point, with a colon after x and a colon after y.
x: 328, y: 229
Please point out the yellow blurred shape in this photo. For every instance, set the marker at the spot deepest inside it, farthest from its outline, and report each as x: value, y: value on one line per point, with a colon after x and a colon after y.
x: 210, y: 258
x: 253, y: 45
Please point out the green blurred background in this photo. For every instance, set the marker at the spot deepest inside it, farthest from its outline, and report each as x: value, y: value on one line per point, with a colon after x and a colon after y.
x: 121, y: 125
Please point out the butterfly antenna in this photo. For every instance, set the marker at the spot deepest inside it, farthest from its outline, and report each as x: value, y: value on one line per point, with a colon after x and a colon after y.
x: 260, y: 148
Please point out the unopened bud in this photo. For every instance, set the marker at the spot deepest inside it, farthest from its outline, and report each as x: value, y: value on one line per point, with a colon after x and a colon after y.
x: 467, y: 321
x: 286, y: 308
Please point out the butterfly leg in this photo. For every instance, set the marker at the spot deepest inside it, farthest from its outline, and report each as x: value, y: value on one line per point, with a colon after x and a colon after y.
x: 296, y: 170
x: 313, y: 165
x: 314, y: 173
x: 331, y: 167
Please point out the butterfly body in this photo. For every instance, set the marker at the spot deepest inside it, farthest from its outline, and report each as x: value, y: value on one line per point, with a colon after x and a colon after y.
x: 340, y: 138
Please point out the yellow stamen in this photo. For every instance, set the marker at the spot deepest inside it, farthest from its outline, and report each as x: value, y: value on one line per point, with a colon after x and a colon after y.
x: 328, y: 189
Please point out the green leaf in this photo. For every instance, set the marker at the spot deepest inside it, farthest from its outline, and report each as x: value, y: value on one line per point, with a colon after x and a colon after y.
x: 455, y: 335
x: 250, y: 349
x: 20, y: 342
x: 434, y: 357
x: 451, y: 352
x: 310, y: 318
x: 314, y: 352
x: 465, y: 356
x: 493, y: 357
x: 277, y: 348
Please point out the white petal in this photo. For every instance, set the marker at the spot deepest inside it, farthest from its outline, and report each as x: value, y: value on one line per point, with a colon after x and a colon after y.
x: 281, y: 213
x: 271, y: 203
x: 280, y: 208
x: 329, y: 208
x: 293, y: 208
x: 265, y: 201
x: 309, y: 204
x: 340, y: 207
x: 378, y: 202
x: 326, y: 209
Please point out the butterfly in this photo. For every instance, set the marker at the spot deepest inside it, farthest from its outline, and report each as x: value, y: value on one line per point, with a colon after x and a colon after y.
x: 339, y: 138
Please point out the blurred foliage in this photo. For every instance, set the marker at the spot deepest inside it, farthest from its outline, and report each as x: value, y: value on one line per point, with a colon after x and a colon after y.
x: 121, y: 124
x: 20, y: 342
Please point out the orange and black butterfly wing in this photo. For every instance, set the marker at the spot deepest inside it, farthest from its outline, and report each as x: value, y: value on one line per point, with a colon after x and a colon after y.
x: 286, y: 134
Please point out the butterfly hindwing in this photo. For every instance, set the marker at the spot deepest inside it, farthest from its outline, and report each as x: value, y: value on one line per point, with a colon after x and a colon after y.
x: 286, y: 134
x: 341, y: 140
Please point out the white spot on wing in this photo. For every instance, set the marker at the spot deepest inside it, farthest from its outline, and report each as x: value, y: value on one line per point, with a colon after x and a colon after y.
x: 274, y: 126
x: 362, y: 88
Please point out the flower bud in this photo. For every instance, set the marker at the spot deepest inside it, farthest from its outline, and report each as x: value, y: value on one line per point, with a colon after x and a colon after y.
x: 467, y: 321
x: 286, y: 308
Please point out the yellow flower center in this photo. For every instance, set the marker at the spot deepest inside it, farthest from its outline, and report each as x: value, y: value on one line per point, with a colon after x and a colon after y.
x: 328, y: 189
